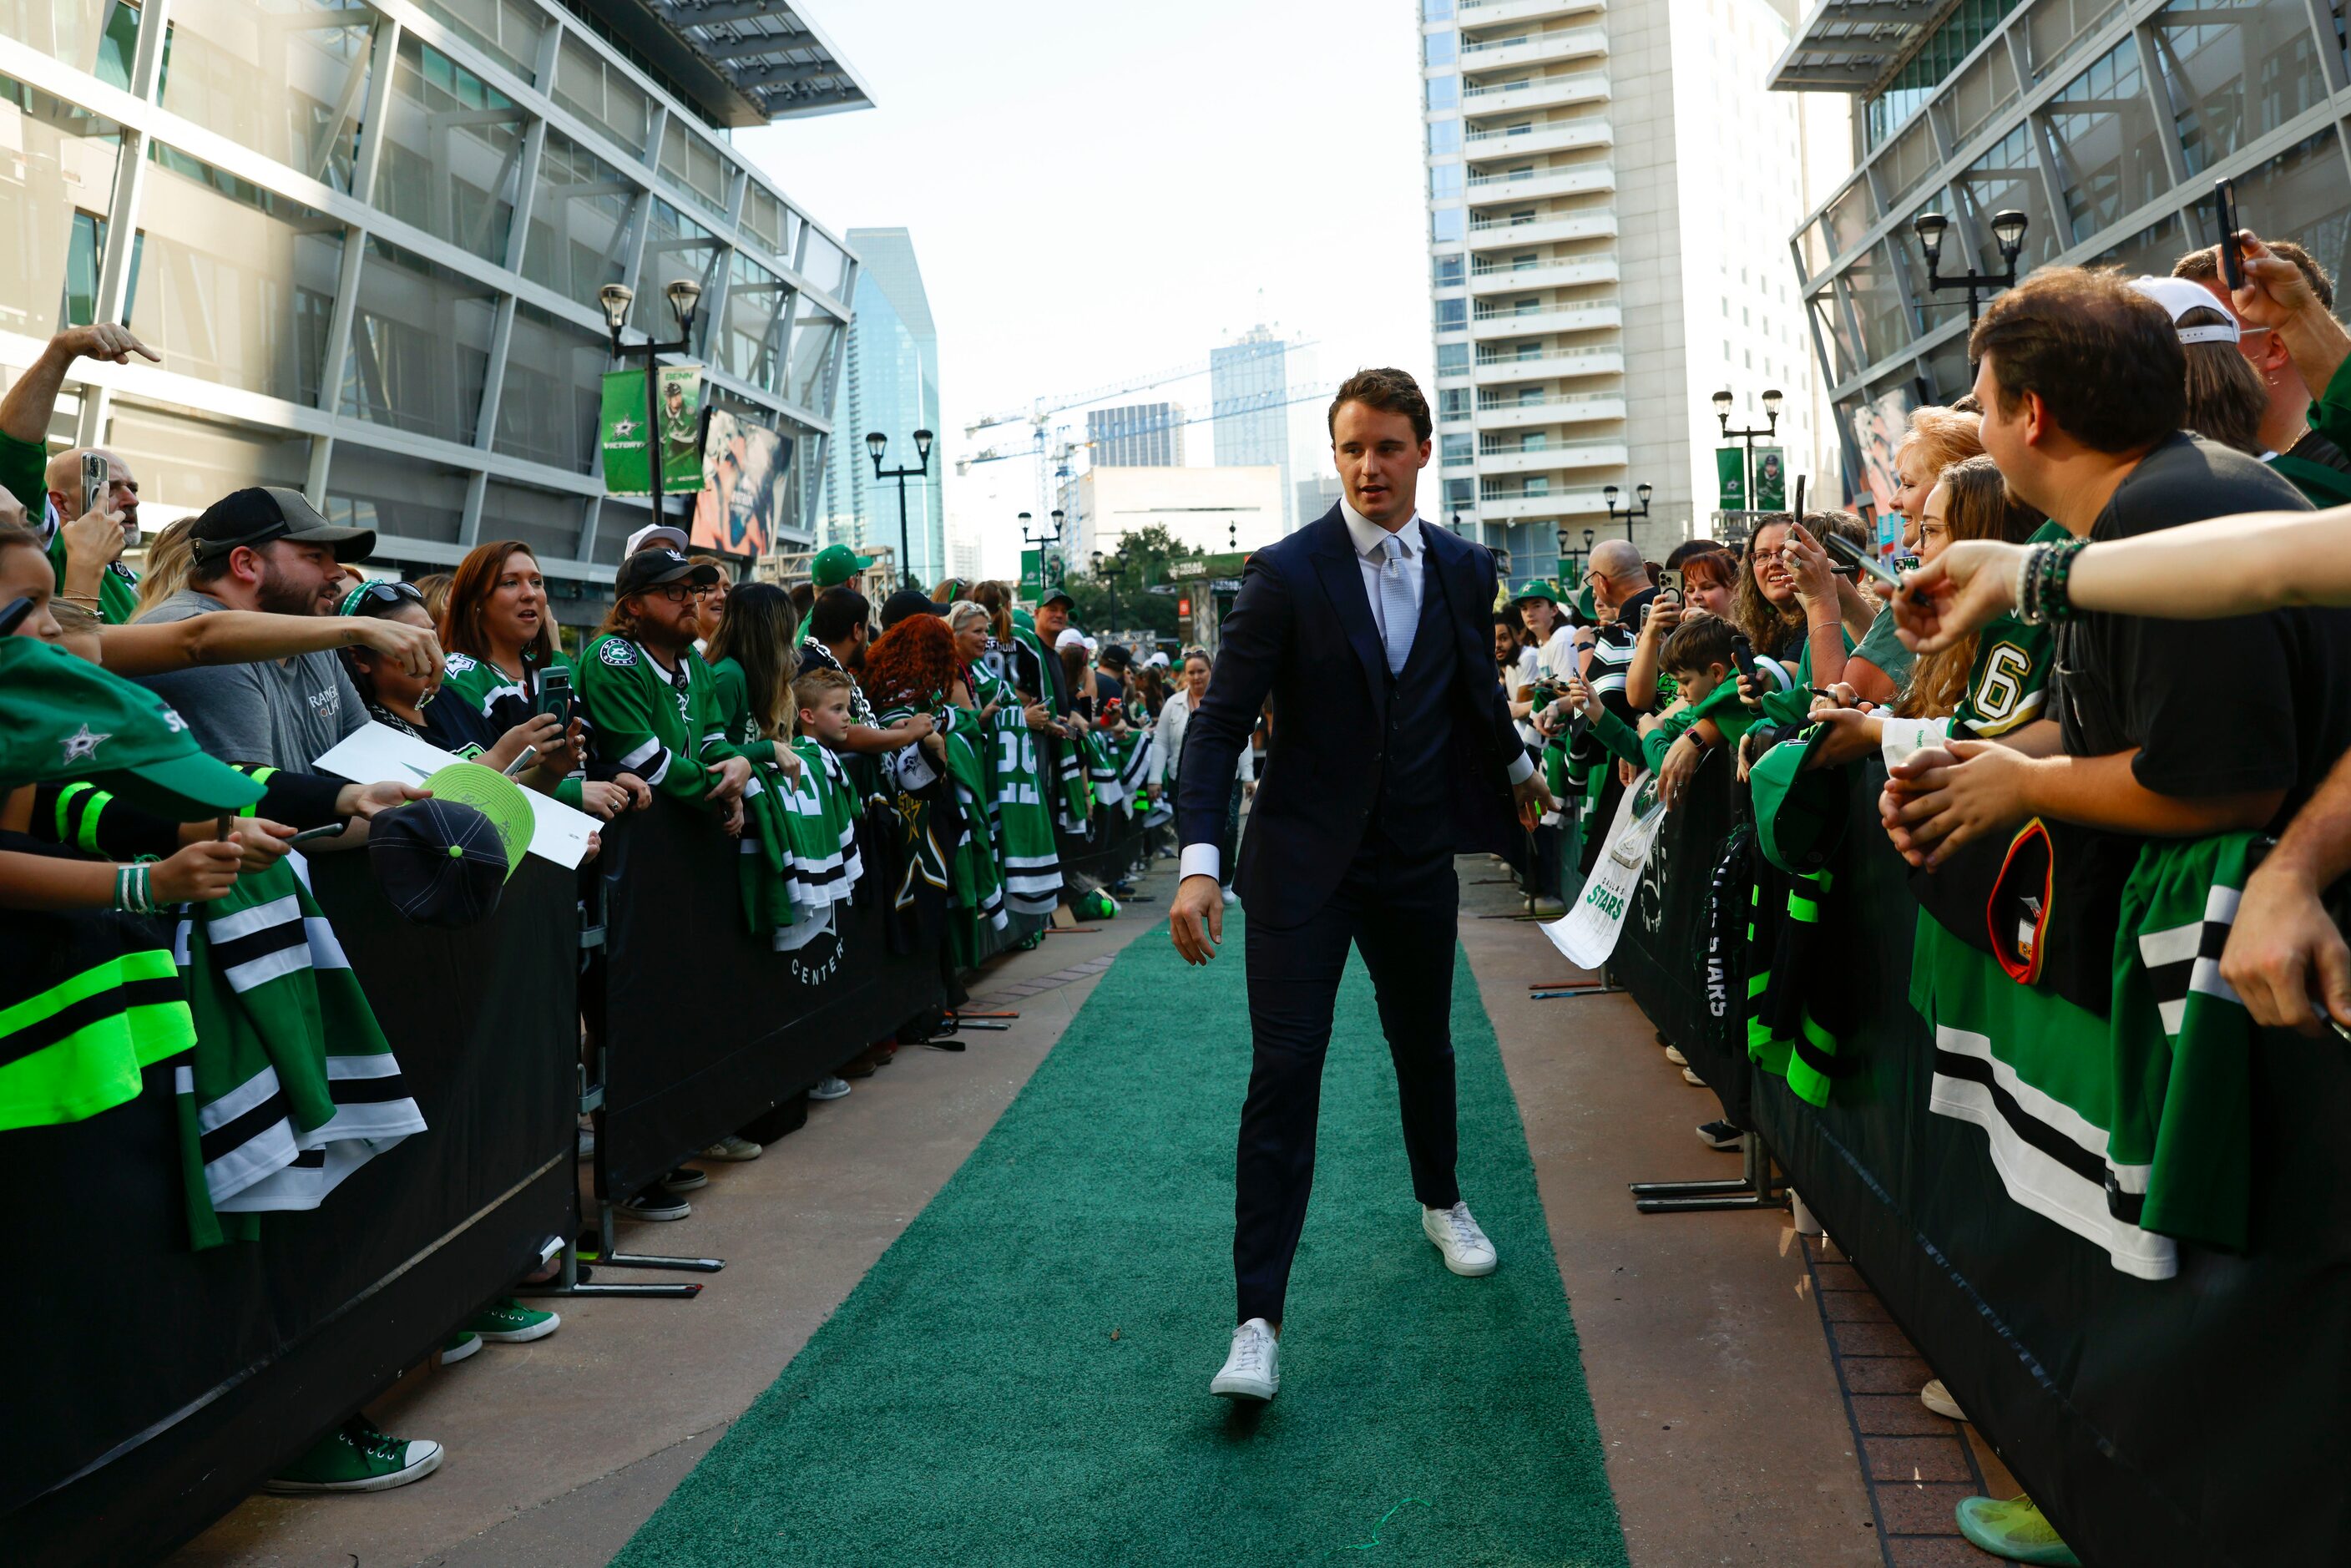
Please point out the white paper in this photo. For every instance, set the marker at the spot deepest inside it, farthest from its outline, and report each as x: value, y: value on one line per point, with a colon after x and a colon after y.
x: 375, y: 752
x: 1587, y: 934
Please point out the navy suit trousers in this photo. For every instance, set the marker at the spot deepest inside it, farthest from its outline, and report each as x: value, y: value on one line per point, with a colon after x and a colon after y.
x: 1400, y: 912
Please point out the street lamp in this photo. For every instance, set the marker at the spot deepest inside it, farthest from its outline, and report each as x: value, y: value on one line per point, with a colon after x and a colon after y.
x: 1608, y: 495
x: 1030, y: 539
x: 1722, y: 402
x: 876, y: 442
x: 2008, y: 226
x: 615, y: 299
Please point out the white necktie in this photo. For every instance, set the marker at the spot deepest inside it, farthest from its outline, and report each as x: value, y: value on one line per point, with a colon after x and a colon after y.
x: 1396, y: 604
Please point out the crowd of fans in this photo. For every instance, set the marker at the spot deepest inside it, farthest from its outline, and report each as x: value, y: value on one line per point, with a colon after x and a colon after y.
x: 801, y: 723
x: 2036, y: 702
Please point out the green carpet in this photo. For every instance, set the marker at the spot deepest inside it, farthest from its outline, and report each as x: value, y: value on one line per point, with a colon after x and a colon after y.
x: 1022, y: 1379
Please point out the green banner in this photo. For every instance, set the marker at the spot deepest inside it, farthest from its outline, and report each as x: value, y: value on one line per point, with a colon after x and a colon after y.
x: 1770, y: 479
x: 1032, y: 573
x: 1729, y: 471
x: 622, y: 431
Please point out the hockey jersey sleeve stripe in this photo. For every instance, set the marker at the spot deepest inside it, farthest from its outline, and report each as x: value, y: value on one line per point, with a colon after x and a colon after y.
x: 2047, y: 1124
x: 326, y: 948
x: 642, y: 755
x: 57, y: 1014
x: 278, y: 913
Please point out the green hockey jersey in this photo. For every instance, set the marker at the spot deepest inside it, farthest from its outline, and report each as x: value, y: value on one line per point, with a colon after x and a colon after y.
x: 291, y: 1085
x: 1020, y: 816
x: 660, y: 725
x: 2132, y: 1128
x: 2010, y: 676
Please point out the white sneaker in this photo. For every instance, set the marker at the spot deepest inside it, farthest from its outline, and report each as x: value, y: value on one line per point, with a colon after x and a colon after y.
x: 1934, y: 1396
x: 1674, y: 1054
x: 1690, y: 1075
x: 1231, y: 898
x: 733, y: 1148
x: 1252, y: 1367
x: 1467, y: 1251
x: 829, y: 1089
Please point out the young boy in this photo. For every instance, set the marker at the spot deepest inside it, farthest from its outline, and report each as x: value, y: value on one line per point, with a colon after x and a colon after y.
x: 822, y: 698
x: 1697, y: 656
x: 819, y: 808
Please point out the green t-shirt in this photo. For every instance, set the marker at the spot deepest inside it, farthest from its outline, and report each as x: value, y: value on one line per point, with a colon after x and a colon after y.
x: 1882, y: 648
x: 23, y: 472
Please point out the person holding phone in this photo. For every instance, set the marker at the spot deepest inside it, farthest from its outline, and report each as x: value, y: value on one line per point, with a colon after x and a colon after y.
x: 49, y: 490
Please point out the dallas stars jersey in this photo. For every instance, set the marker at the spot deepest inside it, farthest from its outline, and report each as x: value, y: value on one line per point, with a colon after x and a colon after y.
x: 976, y: 876
x: 291, y: 1086
x: 2010, y: 675
x: 478, y: 703
x: 2131, y: 1130
x: 1020, y: 815
x: 87, y: 996
x: 820, y: 812
x: 660, y: 724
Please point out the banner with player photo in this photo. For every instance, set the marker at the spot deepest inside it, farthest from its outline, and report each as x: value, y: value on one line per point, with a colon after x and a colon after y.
x: 745, y: 465
x: 1770, y: 479
x: 621, y: 431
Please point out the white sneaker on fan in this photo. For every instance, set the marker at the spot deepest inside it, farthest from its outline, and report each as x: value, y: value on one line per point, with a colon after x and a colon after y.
x: 1252, y: 1369
x: 1457, y: 1236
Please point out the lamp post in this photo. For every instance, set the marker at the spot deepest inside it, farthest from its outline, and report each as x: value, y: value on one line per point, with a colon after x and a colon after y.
x: 2008, y: 226
x: 1608, y: 494
x: 876, y: 442
x: 1031, y: 540
x: 1722, y: 402
x: 1109, y: 579
x: 615, y: 299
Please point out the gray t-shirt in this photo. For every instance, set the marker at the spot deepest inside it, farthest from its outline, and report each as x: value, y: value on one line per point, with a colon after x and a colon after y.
x: 284, y: 713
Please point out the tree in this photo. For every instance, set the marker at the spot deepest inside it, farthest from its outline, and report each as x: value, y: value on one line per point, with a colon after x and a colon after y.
x: 1142, y: 560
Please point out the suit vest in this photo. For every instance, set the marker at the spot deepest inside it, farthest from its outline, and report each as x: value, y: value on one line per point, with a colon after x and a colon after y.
x: 1413, y: 814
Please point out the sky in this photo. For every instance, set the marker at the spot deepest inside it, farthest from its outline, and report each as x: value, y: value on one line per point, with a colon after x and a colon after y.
x: 1099, y: 191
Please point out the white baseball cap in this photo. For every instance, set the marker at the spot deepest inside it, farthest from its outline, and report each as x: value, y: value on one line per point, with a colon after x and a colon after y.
x: 1071, y: 636
x: 656, y: 536
x: 2178, y: 296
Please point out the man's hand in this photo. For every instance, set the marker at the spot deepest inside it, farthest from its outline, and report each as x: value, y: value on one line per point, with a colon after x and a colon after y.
x: 1197, y: 918
x: 414, y: 648
x: 261, y: 843
x: 1956, y: 592
x: 105, y: 340
x: 641, y: 794
x: 94, y: 540
x: 2275, y: 290
x: 2282, y: 946
x: 1665, y: 614
x: 727, y: 780
x: 1952, y: 795
x: 1533, y: 798
x: 601, y: 801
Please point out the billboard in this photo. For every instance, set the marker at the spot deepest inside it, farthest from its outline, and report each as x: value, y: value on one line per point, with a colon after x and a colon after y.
x: 623, y: 430
x: 744, y: 465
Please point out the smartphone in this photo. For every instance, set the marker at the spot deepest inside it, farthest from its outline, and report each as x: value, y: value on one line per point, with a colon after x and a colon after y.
x: 96, y: 483
x: 1670, y: 581
x: 1742, y: 659
x: 12, y: 615
x: 2233, y: 250
x: 306, y: 834
x: 1854, y: 556
x: 555, y: 694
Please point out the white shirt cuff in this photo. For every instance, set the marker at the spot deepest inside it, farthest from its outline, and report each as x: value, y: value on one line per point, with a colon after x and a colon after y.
x: 1201, y: 860
x: 1522, y: 767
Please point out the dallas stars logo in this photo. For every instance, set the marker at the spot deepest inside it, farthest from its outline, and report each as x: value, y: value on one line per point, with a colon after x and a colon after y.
x: 625, y: 428
x: 83, y: 743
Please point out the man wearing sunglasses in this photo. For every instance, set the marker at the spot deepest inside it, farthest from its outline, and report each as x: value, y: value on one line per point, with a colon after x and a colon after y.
x: 265, y: 548
x: 648, y: 695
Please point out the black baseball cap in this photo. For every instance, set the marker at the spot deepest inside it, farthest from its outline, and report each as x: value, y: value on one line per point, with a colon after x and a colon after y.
x: 261, y: 514
x: 905, y: 602
x: 440, y: 862
x: 658, y: 569
x: 1053, y: 593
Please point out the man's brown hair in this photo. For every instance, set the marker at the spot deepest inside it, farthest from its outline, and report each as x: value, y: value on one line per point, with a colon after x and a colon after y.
x: 2204, y: 267
x: 1388, y: 389
x: 2103, y: 358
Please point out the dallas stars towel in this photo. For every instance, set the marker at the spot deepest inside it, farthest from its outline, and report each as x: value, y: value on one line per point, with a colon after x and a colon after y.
x: 291, y: 1086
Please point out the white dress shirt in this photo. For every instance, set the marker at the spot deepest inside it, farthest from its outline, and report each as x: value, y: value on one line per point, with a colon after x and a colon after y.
x: 1367, y: 538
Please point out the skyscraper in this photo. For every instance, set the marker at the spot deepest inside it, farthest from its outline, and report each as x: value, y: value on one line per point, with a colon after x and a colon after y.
x: 890, y: 384
x: 1136, y: 435
x: 1248, y: 382
x: 1610, y: 192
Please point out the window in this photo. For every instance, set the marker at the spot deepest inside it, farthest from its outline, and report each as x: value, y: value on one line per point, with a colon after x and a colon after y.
x: 579, y: 222
x: 1529, y: 396
x: 1436, y: 10
x: 1445, y: 92
x: 284, y: 84
x: 2109, y: 143
x: 1528, y: 307
x: 1453, y: 315
x: 452, y: 150
x: 2232, y: 83
x: 1445, y: 182
x: 1526, y: 263
x: 1523, y: 215
x: 419, y: 346
x: 1445, y: 270
x: 1444, y: 137
x: 547, y: 409
x: 1535, y: 485
x: 1445, y: 226
x: 1456, y: 451
x: 1452, y: 358
x: 1440, y: 48
x: 1453, y: 402
x: 1461, y: 494
x: 1533, y: 348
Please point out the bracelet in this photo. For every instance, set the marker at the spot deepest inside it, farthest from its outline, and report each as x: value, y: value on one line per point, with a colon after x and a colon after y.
x: 2041, y: 582
x: 132, y: 893
x: 2018, y: 589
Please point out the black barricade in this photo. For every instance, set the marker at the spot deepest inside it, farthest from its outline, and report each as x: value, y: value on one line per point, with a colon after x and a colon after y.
x: 2195, y: 1421
x: 1091, y: 864
x: 154, y: 1387
x: 705, y: 1025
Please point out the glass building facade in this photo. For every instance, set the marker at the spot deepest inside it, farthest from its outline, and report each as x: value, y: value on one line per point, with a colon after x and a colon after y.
x: 2105, y: 123
x: 1136, y: 435
x: 366, y: 239
x: 890, y: 384
x: 1249, y: 390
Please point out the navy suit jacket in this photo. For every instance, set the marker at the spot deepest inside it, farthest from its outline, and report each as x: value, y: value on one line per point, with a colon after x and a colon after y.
x: 1302, y: 631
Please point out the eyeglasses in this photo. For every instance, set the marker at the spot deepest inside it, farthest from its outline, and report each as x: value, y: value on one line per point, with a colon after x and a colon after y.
x: 380, y: 590
x: 678, y: 592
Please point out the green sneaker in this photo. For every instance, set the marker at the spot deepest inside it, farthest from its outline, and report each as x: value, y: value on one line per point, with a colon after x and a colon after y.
x: 458, y: 1346
x: 2015, y: 1529
x: 358, y: 1457
x: 509, y: 1321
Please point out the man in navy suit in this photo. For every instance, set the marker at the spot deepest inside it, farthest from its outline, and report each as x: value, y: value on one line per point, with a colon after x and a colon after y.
x: 1392, y: 751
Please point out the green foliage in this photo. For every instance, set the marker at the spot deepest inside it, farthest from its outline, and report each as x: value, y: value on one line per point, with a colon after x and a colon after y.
x: 1142, y: 559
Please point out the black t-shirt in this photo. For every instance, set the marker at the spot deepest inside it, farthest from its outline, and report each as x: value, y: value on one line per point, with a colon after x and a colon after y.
x: 2214, y: 707
x: 1108, y: 688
